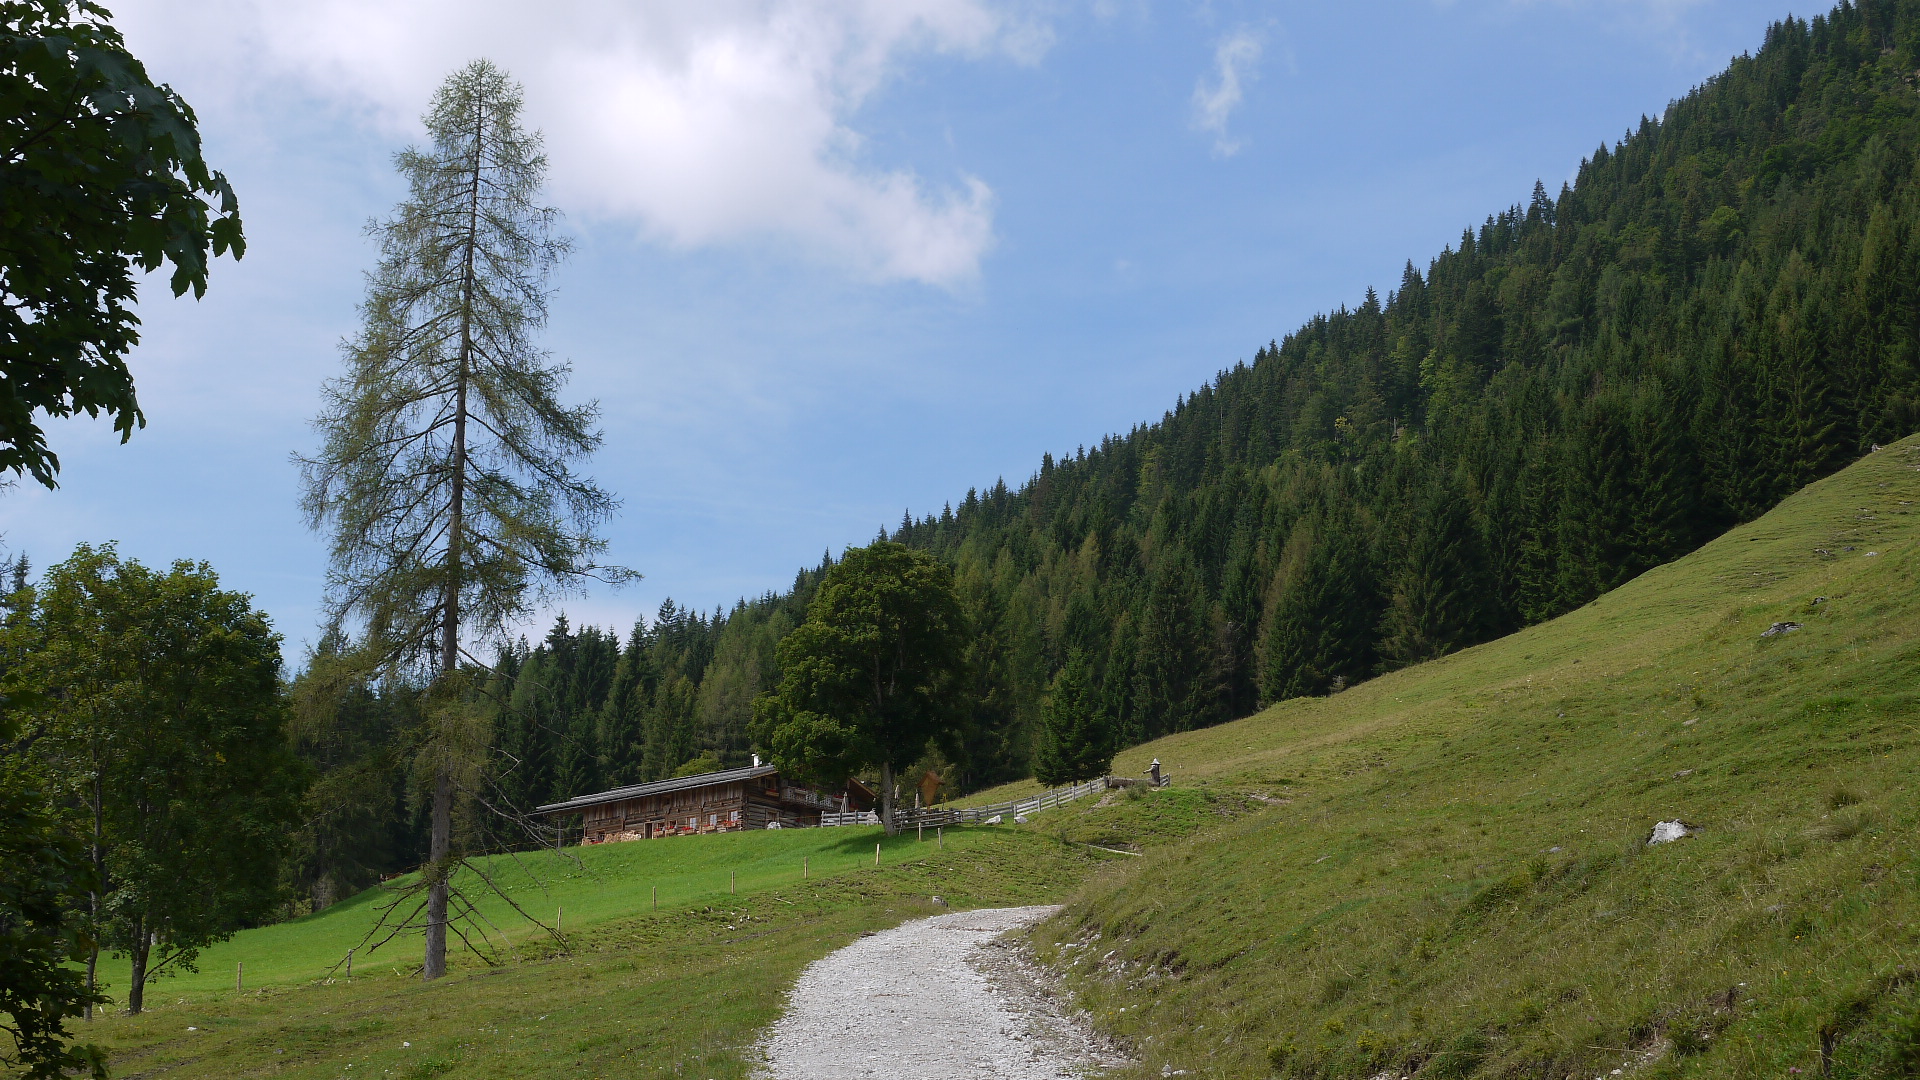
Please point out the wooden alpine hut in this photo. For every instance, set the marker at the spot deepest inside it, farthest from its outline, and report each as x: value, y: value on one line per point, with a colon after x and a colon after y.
x: 756, y: 797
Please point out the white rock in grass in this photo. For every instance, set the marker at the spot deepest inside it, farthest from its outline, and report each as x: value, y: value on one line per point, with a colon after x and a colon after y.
x: 994, y: 820
x: 1019, y: 819
x: 1669, y: 831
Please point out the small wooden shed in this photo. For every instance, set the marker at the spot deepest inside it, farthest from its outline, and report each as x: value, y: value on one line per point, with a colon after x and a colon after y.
x: 756, y: 797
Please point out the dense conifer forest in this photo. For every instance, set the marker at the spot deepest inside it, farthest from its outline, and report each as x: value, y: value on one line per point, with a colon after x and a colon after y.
x: 1723, y: 306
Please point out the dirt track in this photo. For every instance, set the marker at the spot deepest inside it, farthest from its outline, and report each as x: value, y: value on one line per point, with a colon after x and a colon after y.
x: 937, y: 999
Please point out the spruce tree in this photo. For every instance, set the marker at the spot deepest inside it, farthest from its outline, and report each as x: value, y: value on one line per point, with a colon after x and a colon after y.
x: 17, y: 576
x: 1076, y: 738
x: 622, y: 732
x: 1596, y: 513
x: 671, y: 737
x: 1322, y: 613
x: 1442, y: 590
x: 445, y: 473
x: 1173, y: 653
x: 525, y: 739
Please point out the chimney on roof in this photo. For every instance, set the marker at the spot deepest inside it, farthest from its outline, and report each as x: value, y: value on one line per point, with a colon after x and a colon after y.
x: 756, y: 761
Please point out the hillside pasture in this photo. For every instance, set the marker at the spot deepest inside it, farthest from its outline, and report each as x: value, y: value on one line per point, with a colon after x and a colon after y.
x: 1446, y: 870
x: 586, y: 887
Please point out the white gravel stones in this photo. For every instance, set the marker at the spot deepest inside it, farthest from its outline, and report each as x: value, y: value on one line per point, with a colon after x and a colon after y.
x: 936, y: 999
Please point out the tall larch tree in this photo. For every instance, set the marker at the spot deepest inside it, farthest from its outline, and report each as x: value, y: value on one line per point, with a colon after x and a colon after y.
x: 445, y: 473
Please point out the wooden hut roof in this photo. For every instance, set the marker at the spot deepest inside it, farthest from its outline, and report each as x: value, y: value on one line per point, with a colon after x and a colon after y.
x: 658, y: 787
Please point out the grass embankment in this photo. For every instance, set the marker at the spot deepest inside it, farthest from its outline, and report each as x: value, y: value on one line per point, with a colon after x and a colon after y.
x: 1444, y: 871
x: 636, y: 993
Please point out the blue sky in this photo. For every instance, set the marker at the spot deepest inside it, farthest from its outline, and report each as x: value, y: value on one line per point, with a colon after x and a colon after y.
x: 837, y: 260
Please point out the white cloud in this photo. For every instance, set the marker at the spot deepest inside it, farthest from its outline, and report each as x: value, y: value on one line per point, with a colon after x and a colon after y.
x: 717, y: 122
x: 1236, y: 61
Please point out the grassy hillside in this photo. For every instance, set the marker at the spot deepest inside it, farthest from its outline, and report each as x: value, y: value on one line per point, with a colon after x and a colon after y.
x: 1442, y: 871
x: 1448, y: 873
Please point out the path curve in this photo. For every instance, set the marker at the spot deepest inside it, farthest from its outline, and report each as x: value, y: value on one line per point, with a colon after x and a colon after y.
x: 935, y: 999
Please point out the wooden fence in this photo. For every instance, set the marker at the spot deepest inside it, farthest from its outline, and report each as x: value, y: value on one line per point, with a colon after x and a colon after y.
x: 909, y: 818
x: 973, y: 815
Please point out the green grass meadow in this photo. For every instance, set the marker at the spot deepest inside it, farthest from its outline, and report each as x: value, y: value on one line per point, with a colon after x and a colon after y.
x: 1442, y: 872
x: 633, y: 992
x: 585, y: 887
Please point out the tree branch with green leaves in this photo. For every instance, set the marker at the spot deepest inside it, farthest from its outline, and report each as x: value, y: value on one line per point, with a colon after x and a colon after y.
x: 100, y: 175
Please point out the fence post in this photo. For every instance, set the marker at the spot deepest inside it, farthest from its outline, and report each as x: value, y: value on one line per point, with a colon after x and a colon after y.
x: 876, y: 854
x: 656, y: 898
x: 558, y: 911
x: 349, y: 963
x: 731, y: 883
x: 940, y: 839
x: 803, y: 868
x: 239, y: 969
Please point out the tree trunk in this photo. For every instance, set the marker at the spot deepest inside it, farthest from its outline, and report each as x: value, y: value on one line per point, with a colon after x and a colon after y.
x: 99, y: 857
x: 440, y: 846
x: 886, y: 797
x: 137, y: 978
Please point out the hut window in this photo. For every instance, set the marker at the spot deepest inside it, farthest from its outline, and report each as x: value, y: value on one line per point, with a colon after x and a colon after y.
x: 713, y: 819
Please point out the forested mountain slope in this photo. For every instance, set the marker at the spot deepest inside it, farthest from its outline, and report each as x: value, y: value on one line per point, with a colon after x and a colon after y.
x: 1722, y: 306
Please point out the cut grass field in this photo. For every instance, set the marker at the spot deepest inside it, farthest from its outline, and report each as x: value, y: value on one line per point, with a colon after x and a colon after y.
x: 1441, y: 872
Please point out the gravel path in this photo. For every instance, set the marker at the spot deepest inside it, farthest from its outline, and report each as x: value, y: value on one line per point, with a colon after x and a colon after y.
x: 944, y: 998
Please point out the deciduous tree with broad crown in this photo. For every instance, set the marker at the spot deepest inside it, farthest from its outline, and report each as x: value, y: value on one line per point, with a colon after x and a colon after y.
x: 164, y: 734
x: 45, y: 880
x: 874, y: 675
